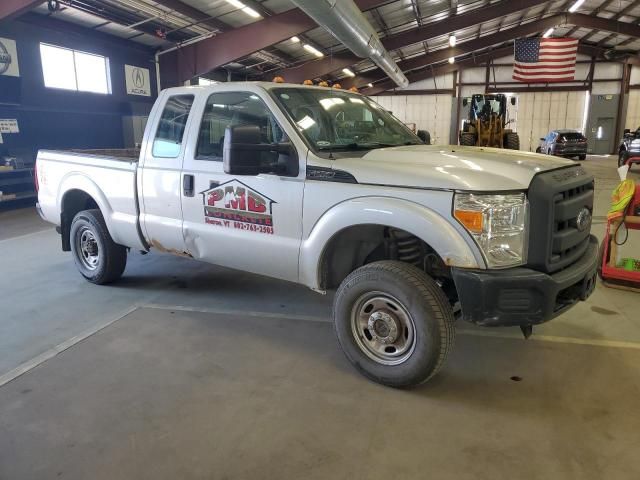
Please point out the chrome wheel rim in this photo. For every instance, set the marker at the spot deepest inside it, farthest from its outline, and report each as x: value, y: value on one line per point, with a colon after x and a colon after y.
x: 383, y: 328
x: 87, y: 248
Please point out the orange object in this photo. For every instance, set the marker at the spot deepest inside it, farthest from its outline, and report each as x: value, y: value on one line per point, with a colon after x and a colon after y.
x: 323, y: 84
x: 278, y: 79
x: 354, y: 89
x: 308, y: 82
x: 470, y: 219
x: 336, y: 85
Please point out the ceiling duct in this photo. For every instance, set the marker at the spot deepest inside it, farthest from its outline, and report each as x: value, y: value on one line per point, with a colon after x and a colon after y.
x: 344, y: 20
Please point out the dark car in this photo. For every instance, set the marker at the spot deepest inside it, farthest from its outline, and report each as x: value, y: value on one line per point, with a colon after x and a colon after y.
x: 629, y: 149
x: 564, y: 143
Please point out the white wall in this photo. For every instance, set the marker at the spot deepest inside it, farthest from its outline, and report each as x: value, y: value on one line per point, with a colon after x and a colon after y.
x: 428, y: 112
x: 633, y: 110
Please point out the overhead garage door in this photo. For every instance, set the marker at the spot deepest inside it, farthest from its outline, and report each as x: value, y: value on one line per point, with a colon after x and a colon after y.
x: 540, y: 112
x: 428, y: 112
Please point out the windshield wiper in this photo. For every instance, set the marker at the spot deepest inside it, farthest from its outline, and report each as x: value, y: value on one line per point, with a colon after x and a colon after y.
x: 363, y: 146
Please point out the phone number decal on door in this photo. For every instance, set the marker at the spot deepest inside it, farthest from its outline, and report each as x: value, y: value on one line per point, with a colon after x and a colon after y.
x: 253, y: 228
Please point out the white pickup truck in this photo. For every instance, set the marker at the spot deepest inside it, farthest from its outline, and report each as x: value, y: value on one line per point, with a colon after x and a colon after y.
x: 325, y: 188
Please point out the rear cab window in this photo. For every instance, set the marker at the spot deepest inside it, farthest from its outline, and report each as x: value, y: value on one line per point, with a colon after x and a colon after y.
x: 167, y: 142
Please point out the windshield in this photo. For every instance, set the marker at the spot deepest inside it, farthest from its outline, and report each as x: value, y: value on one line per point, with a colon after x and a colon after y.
x: 334, y: 120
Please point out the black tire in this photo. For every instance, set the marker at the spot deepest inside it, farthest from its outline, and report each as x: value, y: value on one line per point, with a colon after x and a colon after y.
x: 549, y: 152
x: 622, y: 157
x: 512, y: 141
x: 406, y: 292
x: 99, y: 259
x: 538, y: 150
x: 425, y: 136
x: 601, y: 259
x: 468, y: 139
x: 582, y: 157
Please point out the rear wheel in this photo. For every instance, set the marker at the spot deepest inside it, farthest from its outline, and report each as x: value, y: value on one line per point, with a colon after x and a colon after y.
x: 468, y: 139
x: 582, y: 157
x: 512, y: 141
x: 98, y: 258
x: 538, y: 150
x: 394, y: 323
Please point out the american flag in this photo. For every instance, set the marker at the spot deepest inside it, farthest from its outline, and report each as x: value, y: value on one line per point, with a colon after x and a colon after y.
x: 543, y: 60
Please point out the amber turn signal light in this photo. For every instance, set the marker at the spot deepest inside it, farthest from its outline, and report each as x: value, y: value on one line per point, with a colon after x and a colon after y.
x: 470, y: 219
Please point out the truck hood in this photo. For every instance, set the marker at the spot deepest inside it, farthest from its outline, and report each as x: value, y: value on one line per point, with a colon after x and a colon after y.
x: 449, y: 167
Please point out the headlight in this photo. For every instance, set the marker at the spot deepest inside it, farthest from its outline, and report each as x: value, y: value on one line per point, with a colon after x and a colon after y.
x: 497, y: 223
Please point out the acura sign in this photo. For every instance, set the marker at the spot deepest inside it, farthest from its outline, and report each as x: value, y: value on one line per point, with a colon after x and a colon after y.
x: 137, y: 80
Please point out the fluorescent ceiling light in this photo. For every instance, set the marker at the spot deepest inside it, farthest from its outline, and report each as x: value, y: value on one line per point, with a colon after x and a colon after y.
x: 312, y: 49
x: 295, y: 39
x: 576, y: 6
x: 548, y: 33
x: 452, y: 60
x: 241, y: 6
x: 348, y: 72
x: 370, y: 85
x: 251, y: 12
x: 452, y: 41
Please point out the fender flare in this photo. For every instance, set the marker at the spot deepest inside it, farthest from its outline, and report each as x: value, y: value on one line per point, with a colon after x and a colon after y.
x: 456, y: 249
x: 80, y: 181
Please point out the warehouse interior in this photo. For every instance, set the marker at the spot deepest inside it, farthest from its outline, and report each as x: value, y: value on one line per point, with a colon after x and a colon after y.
x: 181, y: 368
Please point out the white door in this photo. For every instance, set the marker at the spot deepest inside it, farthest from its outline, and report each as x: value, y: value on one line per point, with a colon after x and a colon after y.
x: 160, y: 175
x: 252, y: 223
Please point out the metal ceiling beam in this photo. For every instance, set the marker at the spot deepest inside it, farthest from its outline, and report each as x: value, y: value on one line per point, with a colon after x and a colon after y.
x: 475, y: 61
x: 202, y: 57
x: 319, y: 68
x: 14, y: 8
x: 496, y: 39
x: 460, y: 49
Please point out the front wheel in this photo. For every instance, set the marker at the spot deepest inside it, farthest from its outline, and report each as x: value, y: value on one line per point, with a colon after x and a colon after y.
x: 512, y: 141
x: 394, y: 323
x: 582, y: 157
x: 98, y: 258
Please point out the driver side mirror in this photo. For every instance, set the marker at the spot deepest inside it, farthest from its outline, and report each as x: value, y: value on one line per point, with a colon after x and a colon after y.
x: 627, y: 131
x: 244, y: 154
x: 465, y: 102
x: 513, y: 101
x: 542, y: 138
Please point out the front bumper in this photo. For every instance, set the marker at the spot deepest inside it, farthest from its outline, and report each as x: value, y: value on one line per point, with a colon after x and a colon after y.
x: 522, y: 296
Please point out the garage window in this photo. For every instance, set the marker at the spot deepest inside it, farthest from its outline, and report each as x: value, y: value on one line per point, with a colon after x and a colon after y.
x: 74, y: 70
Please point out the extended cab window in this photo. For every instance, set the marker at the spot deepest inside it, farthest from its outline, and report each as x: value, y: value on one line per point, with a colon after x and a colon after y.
x: 230, y: 109
x: 168, y: 140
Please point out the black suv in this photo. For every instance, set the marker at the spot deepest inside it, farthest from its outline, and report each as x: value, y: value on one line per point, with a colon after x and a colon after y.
x: 629, y: 149
x: 564, y: 143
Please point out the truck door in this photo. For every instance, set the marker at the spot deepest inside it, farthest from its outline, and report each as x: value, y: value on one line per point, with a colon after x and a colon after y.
x: 251, y: 223
x: 159, y: 181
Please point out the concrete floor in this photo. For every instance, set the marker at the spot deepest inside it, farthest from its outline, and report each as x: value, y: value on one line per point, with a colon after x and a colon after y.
x: 191, y: 371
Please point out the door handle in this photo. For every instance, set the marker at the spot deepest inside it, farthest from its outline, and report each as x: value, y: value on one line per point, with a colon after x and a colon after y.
x: 187, y: 185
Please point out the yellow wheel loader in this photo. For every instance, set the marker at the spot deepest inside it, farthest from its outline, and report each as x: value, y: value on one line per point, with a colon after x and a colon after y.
x: 487, y: 122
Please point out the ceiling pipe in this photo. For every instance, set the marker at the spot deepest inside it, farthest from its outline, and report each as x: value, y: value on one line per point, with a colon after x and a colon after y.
x: 344, y: 20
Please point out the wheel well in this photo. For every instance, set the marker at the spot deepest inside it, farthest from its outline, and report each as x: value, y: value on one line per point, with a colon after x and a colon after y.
x: 359, y: 245
x: 74, y: 201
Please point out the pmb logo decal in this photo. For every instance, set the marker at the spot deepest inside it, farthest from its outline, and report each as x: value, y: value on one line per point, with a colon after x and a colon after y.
x: 236, y: 205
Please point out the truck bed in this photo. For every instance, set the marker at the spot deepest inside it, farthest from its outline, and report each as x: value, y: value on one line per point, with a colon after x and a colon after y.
x: 110, y: 180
